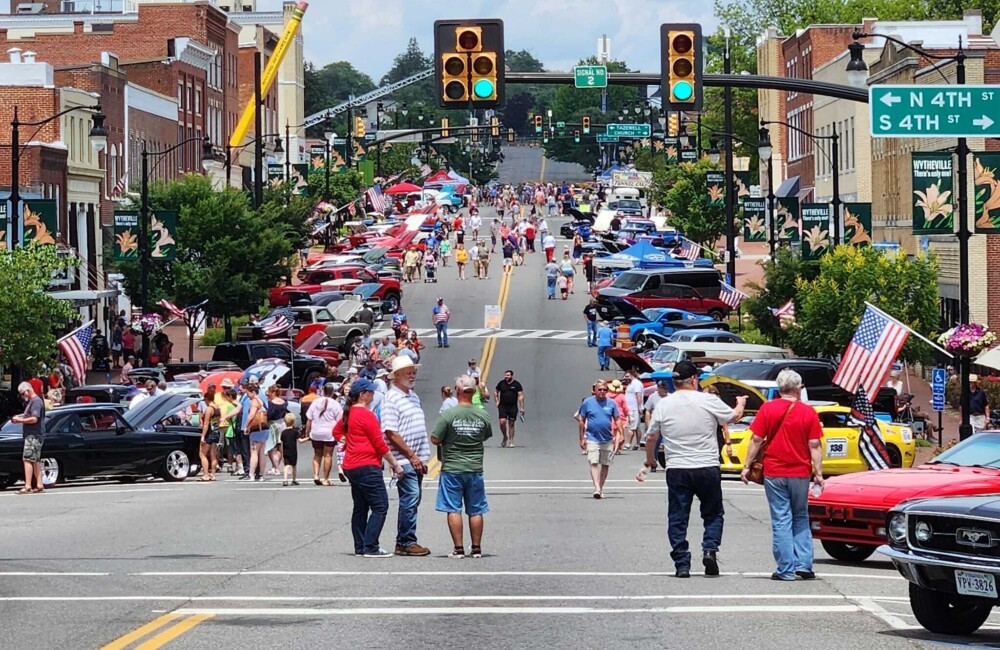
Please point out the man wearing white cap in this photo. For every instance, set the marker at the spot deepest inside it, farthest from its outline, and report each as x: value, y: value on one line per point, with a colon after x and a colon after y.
x: 979, y: 406
x: 406, y: 433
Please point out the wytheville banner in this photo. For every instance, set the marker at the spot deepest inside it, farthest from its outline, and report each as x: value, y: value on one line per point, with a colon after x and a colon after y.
x: 787, y: 218
x: 716, y: 184
x: 40, y: 218
x: 933, y: 186
x: 987, y: 204
x: 815, y: 230
x: 858, y: 224
x: 754, y: 219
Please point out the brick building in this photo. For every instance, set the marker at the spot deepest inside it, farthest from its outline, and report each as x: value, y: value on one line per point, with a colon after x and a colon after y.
x: 771, y: 104
x: 265, y: 42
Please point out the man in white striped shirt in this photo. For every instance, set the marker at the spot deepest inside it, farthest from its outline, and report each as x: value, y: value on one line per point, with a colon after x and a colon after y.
x: 441, y: 315
x: 405, y: 432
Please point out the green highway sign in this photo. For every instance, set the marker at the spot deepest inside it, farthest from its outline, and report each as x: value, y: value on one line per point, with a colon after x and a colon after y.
x: 601, y: 138
x: 629, y: 130
x: 590, y: 76
x: 905, y: 111
x: 560, y: 125
x: 369, y: 137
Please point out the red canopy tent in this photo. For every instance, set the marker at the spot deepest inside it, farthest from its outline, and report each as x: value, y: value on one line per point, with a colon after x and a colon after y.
x: 403, y: 188
x: 438, y: 178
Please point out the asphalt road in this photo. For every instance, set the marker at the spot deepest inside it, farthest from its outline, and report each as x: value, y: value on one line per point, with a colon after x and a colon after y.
x: 523, y: 163
x: 236, y: 565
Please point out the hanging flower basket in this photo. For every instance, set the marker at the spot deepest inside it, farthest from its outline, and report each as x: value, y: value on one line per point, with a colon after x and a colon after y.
x: 147, y: 324
x: 967, y: 339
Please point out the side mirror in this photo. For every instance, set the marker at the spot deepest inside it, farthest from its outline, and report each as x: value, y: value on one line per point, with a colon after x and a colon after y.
x: 121, y: 431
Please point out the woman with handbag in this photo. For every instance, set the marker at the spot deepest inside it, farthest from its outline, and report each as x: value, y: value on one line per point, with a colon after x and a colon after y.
x: 784, y: 452
x: 258, y: 431
x: 323, y: 415
x: 210, y: 436
x: 277, y: 407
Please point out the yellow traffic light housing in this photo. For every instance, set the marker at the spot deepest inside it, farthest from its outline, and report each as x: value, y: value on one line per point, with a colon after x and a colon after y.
x: 576, y: 137
x: 510, y: 135
x: 673, y: 125
x: 681, y: 64
x: 359, y: 127
x: 538, y: 124
x: 586, y: 125
x: 494, y: 127
x: 444, y: 127
x: 545, y: 136
x: 475, y: 134
x: 469, y: 63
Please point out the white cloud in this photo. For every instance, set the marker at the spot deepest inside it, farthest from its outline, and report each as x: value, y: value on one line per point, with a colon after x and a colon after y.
x: 370, y: 33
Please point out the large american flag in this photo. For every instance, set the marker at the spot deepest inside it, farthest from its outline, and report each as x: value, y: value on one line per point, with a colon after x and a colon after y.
x: 731, y: 295
x: 871, y: 352
x: 76, y: 347
x: 375, y: 197
x: 279, y: 322
x: 171, y: 308
x: 870, y: 441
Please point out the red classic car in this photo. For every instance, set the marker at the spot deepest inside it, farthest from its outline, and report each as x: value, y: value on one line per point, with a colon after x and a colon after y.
x: 848, y: 517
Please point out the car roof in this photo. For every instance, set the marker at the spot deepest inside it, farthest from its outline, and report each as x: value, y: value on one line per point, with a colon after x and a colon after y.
x: 796, y: 361
x: 675, y: 269
x: 699, y: 332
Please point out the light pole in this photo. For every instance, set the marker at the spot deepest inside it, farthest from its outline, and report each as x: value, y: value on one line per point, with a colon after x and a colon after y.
x: 231, y: 149
x: 207, y: 155
x: 857, y: 75
x: 764, y: 151
x: 98, y: 139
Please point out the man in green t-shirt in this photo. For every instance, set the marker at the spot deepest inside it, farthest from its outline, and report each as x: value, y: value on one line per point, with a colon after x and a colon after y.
x: 460, y: 433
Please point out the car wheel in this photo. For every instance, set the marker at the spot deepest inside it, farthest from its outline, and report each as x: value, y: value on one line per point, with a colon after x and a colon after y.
x: 349, y: 343
x: 640, y: 339
x: 7, y: 481
x: 717, y: 315
x: 310, y: 378
x: 944, y: 613
x: 176, y: 466
x: 848, y: 552
x: 392, y: 302
x: 895, y: 457
x: 51, y: 472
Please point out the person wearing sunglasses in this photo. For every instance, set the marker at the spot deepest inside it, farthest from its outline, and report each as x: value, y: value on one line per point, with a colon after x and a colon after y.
x: 599, y: 434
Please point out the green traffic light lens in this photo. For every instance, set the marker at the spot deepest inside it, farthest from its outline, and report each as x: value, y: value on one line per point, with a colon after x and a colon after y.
x: 483, y: 89
x: 682, y: 91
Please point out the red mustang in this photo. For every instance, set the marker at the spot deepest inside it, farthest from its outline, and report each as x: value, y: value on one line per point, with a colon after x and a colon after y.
x: 849, y: 516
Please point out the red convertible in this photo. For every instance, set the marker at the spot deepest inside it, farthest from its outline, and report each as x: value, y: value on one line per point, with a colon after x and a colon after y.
x: 849, y: 516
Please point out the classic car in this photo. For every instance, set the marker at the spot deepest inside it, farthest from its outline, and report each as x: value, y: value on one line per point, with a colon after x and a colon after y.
x: 657, y: 320
x: 390, y: 291
x: 101, y: 393
x: 849, y: 517
x: 705, y: 336
x: 308, y: 367
x: 947, y: 548
x: 106, y: 440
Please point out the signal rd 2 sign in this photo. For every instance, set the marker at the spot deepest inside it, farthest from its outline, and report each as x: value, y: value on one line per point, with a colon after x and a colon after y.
x: 590, y: 76
x: 629, y: 130
x: 901, y: 111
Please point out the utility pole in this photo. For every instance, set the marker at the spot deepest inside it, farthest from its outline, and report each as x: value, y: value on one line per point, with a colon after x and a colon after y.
x: 258, y: 125
x: 349, y: 140
x: 731, y: 198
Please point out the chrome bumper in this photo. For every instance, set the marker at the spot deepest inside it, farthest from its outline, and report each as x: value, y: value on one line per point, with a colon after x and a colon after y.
x: 906, y: 557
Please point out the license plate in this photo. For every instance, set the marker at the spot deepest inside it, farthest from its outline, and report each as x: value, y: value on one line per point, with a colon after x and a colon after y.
x: 971, y: 583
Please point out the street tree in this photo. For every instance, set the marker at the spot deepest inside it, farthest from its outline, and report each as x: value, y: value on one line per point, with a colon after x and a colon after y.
x: 683, y: 191
x: 345, y: 184
x: 30, y: 318
x: 778, y: 287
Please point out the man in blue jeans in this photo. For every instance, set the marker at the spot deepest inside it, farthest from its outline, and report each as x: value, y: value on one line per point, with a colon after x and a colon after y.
x: 441, y: 315
x: 590, y: 315
x: 604, y: 336
x: 688, y: 420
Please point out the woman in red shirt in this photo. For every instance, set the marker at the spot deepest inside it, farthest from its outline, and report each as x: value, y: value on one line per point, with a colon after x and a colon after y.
x: 363, y: 453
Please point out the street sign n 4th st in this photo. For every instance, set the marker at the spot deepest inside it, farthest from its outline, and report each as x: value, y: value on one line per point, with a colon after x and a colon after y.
x: 902, y: 111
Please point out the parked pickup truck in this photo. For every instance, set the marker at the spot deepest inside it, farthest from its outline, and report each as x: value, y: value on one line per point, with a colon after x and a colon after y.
x: 345, y: 321
x: 244, y: 354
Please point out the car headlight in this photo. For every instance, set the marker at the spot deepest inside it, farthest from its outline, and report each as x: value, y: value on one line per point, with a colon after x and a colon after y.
x: 897, y: 528
x: 907, y: 434
x: 923, y: 531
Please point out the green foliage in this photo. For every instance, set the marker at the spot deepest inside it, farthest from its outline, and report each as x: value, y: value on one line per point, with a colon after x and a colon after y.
x: 829, y: 307
x: 30, y: 318
x: 779, y: 286
x: 990, y: 384
x: 396, y: 159
x: 212, y: 337
x: 747, y: 331
x: 682, y: 189
x: 345, y: 185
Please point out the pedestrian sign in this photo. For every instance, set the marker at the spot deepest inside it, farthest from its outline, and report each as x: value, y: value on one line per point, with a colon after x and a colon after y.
x: 590, y: 76
x: 938, y: 380
x: 907, y: 111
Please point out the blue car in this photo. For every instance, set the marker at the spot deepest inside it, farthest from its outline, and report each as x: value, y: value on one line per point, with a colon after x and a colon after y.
x: 658, y: 320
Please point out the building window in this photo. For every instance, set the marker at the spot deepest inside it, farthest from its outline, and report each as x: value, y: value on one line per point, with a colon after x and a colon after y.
x: 850, y: 139
x: 180, y: 95
x: 197, y: 101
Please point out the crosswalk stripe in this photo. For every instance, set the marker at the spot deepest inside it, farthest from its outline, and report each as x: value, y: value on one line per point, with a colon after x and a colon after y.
x: 502, y: 333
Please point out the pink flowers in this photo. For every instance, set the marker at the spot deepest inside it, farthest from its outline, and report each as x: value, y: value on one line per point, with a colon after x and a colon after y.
x: 147, y: 323
x: 967, y: 338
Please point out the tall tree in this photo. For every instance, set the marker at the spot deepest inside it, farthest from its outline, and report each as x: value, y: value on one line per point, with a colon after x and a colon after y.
x: 341, y: 79
x: 408, y: 63
x: 522, y: 61
x: 683, y: 190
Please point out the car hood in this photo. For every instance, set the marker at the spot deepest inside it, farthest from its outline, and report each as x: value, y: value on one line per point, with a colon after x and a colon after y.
x: 152, y: 410
x: 987, y: 507
x: 889, y: 487
x: 627, y: 360
x: 613, y: 292
x: 730, y: 389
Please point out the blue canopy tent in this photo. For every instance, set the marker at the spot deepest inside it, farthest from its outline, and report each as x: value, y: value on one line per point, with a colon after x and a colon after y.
x: 647, y: 256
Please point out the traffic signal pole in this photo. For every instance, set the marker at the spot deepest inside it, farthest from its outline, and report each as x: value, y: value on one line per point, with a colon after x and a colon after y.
x: 731, y: 198
x: 349, y: 140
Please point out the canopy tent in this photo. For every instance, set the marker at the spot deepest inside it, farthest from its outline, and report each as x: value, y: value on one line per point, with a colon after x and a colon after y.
x: 645, y: 255
x: 455, y: 176
x: 606, y: 174
x: 438, y: 177
x: 403, y: 188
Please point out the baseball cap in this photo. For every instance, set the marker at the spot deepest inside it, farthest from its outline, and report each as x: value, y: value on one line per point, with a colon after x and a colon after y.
x: 361, y: 385
x: 685, y: 370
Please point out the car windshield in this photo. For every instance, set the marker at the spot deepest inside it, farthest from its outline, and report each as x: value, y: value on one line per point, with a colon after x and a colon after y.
x: 629, y: 204
x: 653, y: 314
x: 743, y: 370
x: 667, y: 354
x: 629, y: 281
x: 982, y: 450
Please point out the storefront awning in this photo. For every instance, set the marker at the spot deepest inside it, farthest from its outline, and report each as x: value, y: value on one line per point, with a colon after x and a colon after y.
x: 85, y: 295
x: 789, y: 187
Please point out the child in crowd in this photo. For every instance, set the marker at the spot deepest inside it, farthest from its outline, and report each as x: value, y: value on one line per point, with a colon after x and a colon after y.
x: 562, y: 283
x: 291, y: 436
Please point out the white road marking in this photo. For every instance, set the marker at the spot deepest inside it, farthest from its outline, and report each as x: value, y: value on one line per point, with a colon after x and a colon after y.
x: 501, y: 333
x: 895, y: 622
x: 526, y: 598
x: 64, y: 491
x: 566, y: 574
x: 61, y: 574
x: 559, y: 611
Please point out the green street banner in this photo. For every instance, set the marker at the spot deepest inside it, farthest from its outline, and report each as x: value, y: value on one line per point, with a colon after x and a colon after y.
x: 742, y: 180
x: 754, y: 219
x: 858, y: 224
x: 126, y: 233
x: 4, y: 223
x: 786, y: 218
x: 933, y: 188
x: 163, y: 235
x: 275, y: 174
x: 367, y: 168
x: 716, y: 184
x: 40, y: 217
x: 671, y: 145
x: 815, y: 230
x: 987, y: 202
x: 300, y: 180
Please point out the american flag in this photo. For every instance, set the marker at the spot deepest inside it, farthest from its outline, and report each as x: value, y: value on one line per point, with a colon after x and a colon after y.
x: 352, y: 209
x: 731, y: 295
x: 786, y: 311
x: 173, y: 309
x: 120, y: 186
x: 76, y: 347
x: 689, y: 250
x: 870, y: 441
x: 375, y: 197
x: 280, y: 321
x: 871, y: 352
x: 425, y: 170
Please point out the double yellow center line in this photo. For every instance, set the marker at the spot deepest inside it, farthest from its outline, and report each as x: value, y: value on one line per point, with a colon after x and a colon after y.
x: 177, y: 624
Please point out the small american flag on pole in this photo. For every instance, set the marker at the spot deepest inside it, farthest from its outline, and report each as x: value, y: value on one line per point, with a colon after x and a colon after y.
x: 76, y: 347
x: 731, y: 295
x: 785, y: 314
x: 171, y: 308
x: 375, y: 197
x: 279, y: 322
x: 120, y: 186
x: 871, y: 352
x: 352, y: 209
x: 689, y: 250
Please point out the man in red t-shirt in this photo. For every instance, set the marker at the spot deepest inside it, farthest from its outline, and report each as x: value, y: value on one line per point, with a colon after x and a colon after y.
x: 793, y: 455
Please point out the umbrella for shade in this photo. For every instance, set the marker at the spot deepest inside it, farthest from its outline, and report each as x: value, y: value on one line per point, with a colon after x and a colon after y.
x: 402, y: 188
x: 218, y: 377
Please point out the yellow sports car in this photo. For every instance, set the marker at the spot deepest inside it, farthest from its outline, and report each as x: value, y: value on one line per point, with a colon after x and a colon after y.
x: 840, y: 436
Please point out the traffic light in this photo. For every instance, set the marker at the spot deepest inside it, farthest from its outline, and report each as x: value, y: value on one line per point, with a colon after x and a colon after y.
x: 510, y: 135
x: 494, y: 127
x: 538, y: 124
x: 444, y: 127
x: 586, y: 125
x: 681, y: 63
x: 475, y: 134
x: 469, y: 63
x: 359, y: 127
x: 673, y: 125
x: 576, y: 137
x: 545, y: 136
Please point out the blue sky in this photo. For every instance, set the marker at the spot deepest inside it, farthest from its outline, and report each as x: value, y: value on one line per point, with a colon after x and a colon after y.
x: 370, y: 33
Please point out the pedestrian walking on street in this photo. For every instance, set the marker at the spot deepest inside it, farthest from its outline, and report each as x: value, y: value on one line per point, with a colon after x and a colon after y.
x: 979, y: 405
x: 551, y: 277
x: 687, y: 420
x: 599, y: 434
x: 210, y: 436
x: 32, y: 422
x: 788, y: 432
x: 364, y: 451
x: 461, y: 259
x: 460, y: 432
x: 277, y: 408
x: 510, y: 400
x: 441, y: 315
x: 323, y: 415
x: 291, y: 436
x: 549, y: 244
x: 590, y: 316
x: 258, y: 430
x: 604, y: 337
x: 633, y: 399
x: 448, y: 399
x: 662, y: 390
x: 616, y: 391
x: 404, y: 429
